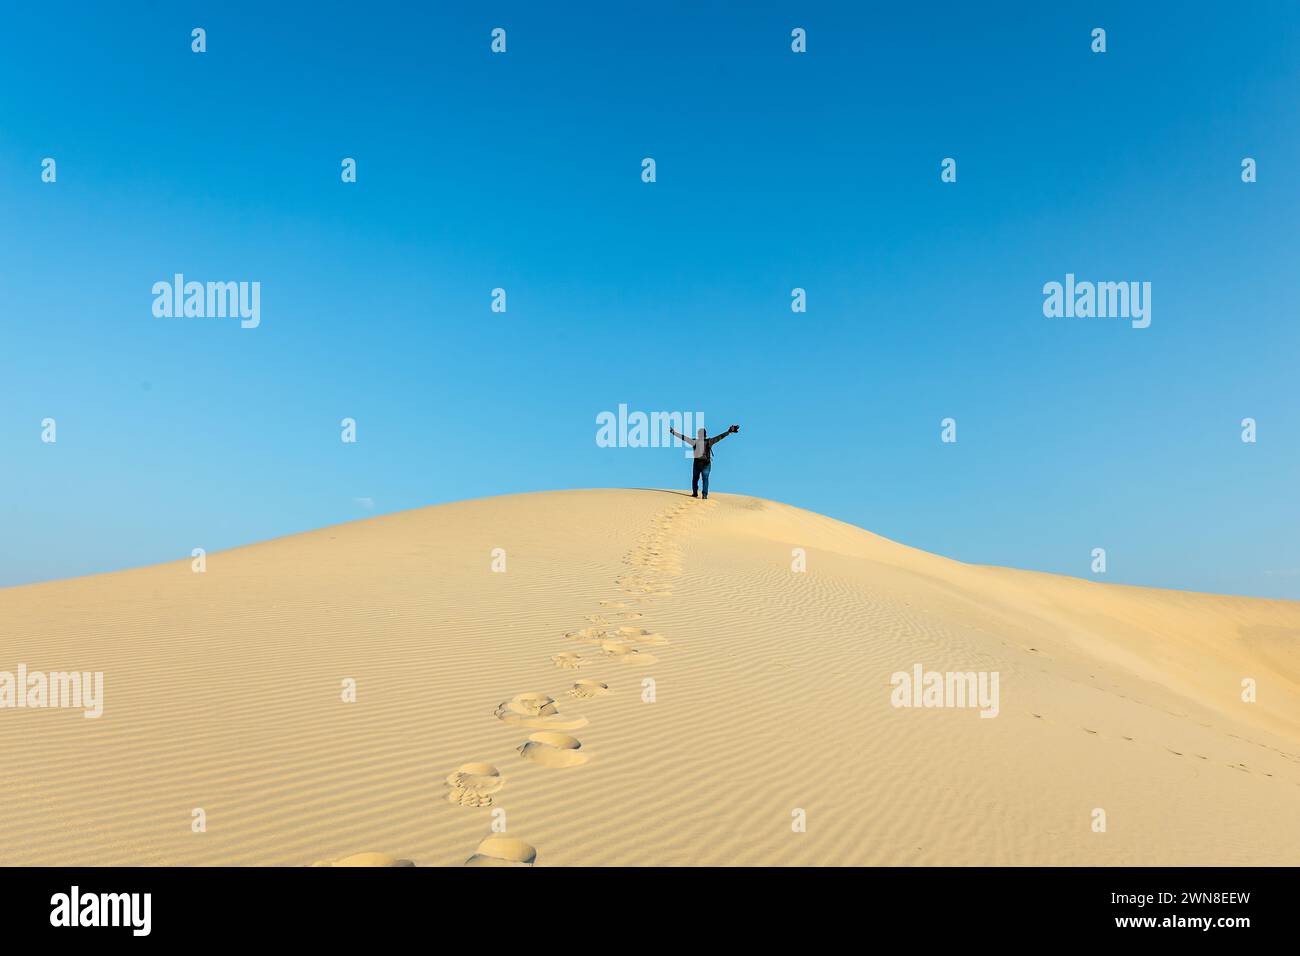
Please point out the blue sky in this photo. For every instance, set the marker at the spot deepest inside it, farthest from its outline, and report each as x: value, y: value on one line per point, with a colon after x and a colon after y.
x: 775, y: 170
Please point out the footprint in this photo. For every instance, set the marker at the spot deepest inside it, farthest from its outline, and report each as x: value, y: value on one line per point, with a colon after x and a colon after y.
x: 614, y: 604
x: 553, y: 750
x: 536, y: 711
x: 473, y: 785
x: 597, y: 619
x: 503, y: 851
x: 640, y: 635
x: 591, y: 635
x: 365, y: 859
x: 628, y: 655
x: 645, y: 587
x: 627, y: 615
x: 569, y: 661
x: 639, y: 582
x: 586, y: 689
x: 668, y: 565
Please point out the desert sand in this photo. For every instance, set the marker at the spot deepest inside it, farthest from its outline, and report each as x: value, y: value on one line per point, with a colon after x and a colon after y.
x: 524, y: 691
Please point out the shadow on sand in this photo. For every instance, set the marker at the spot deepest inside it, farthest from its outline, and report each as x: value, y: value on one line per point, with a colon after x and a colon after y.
x: 665, y: 491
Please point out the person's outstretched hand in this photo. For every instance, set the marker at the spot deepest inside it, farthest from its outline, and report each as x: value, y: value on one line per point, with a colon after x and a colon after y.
x: 733, y: 429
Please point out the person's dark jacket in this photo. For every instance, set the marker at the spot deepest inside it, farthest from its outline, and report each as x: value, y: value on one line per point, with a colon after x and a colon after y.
x: 703, y: 447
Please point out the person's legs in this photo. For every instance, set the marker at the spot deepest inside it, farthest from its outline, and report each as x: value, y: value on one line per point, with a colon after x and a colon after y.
x: 704, y: 473
x: 695, y: 479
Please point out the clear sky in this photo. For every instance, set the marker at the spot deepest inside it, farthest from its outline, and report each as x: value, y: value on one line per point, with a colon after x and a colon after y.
x: 775, y: 170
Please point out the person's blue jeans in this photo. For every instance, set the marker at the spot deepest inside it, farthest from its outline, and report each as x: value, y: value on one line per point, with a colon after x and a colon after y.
x: 700, y: 469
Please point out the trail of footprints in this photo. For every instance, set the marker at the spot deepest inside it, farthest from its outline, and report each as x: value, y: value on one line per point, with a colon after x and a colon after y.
x: 1179, y: 753
x: 612, y: 635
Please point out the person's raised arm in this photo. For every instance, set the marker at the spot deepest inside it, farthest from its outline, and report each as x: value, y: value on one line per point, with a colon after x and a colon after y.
x: 677, y: 433
x: 717, y: 438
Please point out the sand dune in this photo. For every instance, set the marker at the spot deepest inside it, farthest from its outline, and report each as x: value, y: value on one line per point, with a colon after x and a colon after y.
x: 528, y: 692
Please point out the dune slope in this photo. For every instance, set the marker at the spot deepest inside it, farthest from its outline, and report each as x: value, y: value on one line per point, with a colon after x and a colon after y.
x: 648, y: 681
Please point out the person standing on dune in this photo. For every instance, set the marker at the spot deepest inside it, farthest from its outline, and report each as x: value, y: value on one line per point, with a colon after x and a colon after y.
x: 702, y: 453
